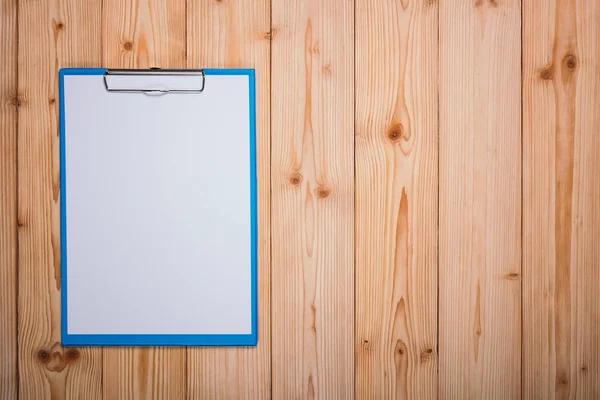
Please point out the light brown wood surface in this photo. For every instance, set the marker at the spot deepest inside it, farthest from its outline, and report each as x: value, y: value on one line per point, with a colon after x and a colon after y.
x: 561, y: 192
x: 428, y: 197
x: 50, y: 36
x: 8, y: 200
x: 313, y: 199
x: 236, y: 34
x: 144, y: 34
x: 396, y: 199
x: 480, y: 199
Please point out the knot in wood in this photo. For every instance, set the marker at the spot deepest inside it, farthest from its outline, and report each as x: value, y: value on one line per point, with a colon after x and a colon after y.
x: 570, y: 61
x: 16, y: 100
x: 295, y: 178
x: 426, y: 355
x: 547, y: 73
x: 43, y: 356
x: 400, y: 351
x: 72, y: 355
x: 395, y: 133
x: 366, y: 344
x: 513, y: 276
x: 323, y: 192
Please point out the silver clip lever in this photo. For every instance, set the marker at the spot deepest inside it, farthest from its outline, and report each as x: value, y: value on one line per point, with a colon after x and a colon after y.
x: 155, y: 72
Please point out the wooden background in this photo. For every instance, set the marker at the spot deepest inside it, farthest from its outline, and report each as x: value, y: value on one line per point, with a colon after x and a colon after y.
x: 429, y: 196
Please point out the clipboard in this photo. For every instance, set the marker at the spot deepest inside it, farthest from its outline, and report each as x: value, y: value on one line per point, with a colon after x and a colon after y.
x: 158, y: 207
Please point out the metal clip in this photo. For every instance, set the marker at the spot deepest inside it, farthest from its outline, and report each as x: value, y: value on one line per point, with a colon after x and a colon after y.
x: 154, y: 72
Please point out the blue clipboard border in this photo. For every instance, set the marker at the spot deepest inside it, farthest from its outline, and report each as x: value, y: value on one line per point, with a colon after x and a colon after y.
x: 160, y: 339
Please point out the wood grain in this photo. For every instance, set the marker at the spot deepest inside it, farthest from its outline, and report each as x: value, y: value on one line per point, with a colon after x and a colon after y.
x: 561, y: 185
x: 144, y: 373
x: 396, y: 199
x: 144, y: 34
x: 586, y: 213
x: 327, y: 336
x: 51, y: 35
x: 8, y: 200
x: 236, y: 34
x: 313, y: 199
x: 480, y: 199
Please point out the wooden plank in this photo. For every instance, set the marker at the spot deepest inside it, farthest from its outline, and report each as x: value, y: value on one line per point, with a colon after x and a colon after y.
x: 480, y: 199
x: 236, y: 34
x: 561, y: 183
x: 51, y: 35
x: 396, y: 199
x: 313, y: 199
x: 586, y: 213
x: 144, y: 34
x: 8, y: 199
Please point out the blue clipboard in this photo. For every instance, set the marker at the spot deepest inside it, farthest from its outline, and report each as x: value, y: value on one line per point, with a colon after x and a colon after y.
x: 155, y: 339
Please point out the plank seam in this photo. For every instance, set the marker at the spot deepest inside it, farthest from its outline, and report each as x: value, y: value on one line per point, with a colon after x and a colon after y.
x: 185, y: 55
x: 16, y: 133
x: 271, y: 197
x: 354, y: 190
x: 521, y: 243
x: 102, y: 61
x: 438, y: 208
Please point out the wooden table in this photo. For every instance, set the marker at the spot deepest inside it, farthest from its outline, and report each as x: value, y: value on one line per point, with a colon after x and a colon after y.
x: 429, y: 196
